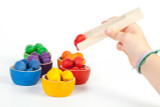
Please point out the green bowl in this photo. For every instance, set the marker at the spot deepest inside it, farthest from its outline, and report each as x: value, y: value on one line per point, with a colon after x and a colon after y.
x: 25, y: 55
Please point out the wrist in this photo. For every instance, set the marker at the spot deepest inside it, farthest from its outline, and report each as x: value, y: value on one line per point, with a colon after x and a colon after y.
x: 143, y: 59
x: 141, y: 52
x: 148, y: 61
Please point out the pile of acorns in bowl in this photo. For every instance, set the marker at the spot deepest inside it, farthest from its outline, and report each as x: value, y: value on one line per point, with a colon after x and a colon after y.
x: 40, y: 53
x: 76, y: 64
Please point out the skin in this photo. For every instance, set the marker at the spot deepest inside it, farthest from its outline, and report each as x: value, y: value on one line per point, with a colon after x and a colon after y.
x: 132, y: 42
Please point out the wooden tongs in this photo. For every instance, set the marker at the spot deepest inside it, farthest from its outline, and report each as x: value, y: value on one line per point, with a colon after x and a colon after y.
x: 96, y: 34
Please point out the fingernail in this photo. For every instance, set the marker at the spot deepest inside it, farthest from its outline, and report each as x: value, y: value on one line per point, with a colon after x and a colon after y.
x: 104, y: 22
x: 108, y: 32
x: 122, y: 49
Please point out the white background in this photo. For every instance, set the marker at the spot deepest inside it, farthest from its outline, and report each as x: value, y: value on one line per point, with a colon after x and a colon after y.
x: 56, y: 23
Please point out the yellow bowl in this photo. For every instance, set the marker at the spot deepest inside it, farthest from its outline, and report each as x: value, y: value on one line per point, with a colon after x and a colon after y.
x: 59, y: 61
x: 57, y: 89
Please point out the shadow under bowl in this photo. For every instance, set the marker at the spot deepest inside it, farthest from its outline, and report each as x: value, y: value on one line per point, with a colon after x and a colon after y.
x: 57, y: 89
x: 25, y: 78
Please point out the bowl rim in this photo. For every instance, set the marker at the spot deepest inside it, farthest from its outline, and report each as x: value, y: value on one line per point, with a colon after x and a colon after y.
x: 45, y: 75
x: 12, y: 67
x: 26, y: 53
x: 46, y: 63
x: 60, y: 58
x: 88, y: 68
x: 35, y: 51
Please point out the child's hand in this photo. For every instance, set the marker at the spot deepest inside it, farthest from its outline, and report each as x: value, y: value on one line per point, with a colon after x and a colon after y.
x: 131, y: 40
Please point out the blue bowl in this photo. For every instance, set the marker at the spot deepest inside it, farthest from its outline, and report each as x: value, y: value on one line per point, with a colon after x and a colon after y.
x: 25, y: 78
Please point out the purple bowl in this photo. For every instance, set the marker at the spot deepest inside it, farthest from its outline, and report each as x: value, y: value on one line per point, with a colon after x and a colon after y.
x: 46, y: 67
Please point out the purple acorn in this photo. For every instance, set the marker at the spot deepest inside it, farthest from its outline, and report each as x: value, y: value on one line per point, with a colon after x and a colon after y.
x: 46, y: 60
x: 45, y: 57
x: 35, y: 53
x: 33, y: 57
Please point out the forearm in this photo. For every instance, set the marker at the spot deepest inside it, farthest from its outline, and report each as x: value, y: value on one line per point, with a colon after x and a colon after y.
x: 151, y: 70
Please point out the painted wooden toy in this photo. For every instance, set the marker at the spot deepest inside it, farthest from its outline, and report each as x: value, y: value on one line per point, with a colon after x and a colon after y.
x: 41, y: 54
x: 25, y: 73
x: 81, y: 74
x: 68, y: 54
x: 97, y: 34
x: 57, y: 83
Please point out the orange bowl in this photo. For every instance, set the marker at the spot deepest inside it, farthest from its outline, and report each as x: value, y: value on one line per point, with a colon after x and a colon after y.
x: 59, y: 61
x: 57, y: 89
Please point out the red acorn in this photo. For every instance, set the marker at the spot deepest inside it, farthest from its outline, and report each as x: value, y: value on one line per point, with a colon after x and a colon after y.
x: 78, y: 61
x: 67, y: 63
x: 79, y: 39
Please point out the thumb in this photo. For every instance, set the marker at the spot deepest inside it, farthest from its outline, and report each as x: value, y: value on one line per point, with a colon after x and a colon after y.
x: 119, y: 36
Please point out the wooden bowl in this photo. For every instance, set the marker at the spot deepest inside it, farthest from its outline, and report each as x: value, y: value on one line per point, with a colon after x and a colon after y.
x: 81, y: 76
x: 46, y: 67
x: 25, y: 78
x: 57, y: 89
